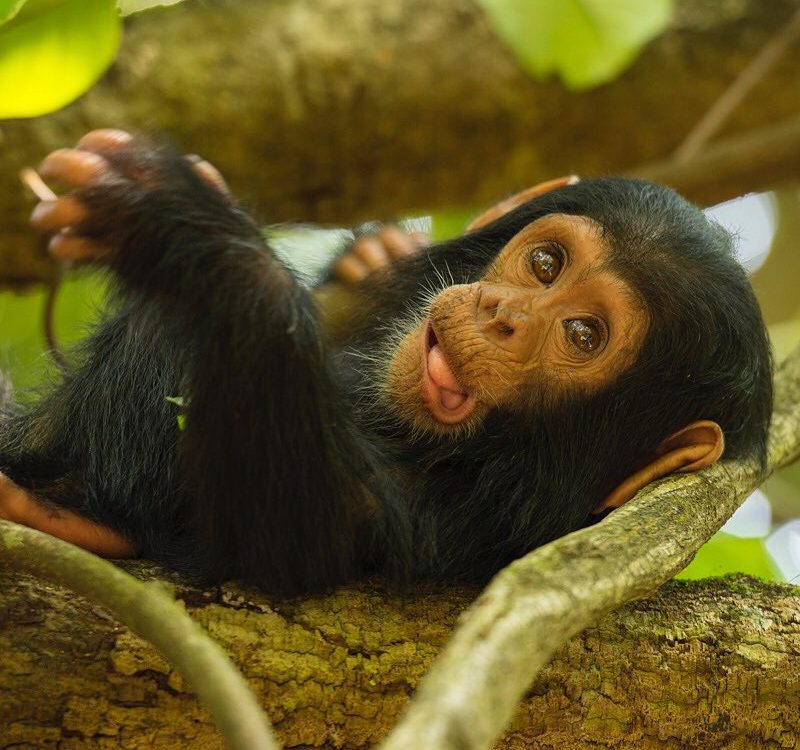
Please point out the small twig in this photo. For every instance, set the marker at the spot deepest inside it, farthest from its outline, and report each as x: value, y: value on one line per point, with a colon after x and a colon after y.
x: 149, y: 611
x: 713, y: 120
x: 31, y: 179
x: 755, y: 160
x: 49, y: 315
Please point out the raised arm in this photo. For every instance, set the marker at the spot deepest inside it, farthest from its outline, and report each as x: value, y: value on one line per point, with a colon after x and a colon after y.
x: 268, y: 462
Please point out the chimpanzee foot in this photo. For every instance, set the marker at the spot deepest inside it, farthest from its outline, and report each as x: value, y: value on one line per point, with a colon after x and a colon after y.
x: 22, y: 507
x: 372, y: 252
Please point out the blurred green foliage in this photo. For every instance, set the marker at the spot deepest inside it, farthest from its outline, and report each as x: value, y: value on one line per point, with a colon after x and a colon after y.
x: 23, y: 351
x: 724, y: 553
x: 128, y: 7
x: 585, y: 42
x: 51, y: 51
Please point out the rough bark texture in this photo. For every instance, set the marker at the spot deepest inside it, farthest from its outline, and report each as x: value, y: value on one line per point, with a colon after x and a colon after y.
x: 341, y: 110
x: 536, y: 603
x: 711, y: 665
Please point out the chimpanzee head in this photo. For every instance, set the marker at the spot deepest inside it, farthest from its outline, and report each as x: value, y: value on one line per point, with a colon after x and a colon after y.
x: 595, y: 337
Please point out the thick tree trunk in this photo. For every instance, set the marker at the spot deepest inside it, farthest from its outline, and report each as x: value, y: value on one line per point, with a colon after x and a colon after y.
x: 711, y: 665
x: 339, y: 110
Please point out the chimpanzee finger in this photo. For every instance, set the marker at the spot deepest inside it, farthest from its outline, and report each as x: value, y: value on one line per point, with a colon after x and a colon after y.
x: 371, y: 251
x: 51, y: 216
x: 398, y: 244
x: 121, y: 153
x: 73, y: 168
x: 350, y: 269
x: 103, y: 140
x: 209, y: 173
x: 67, y: 246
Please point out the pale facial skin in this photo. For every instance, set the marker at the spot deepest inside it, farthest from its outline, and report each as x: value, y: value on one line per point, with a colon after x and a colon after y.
x: 546, y: 319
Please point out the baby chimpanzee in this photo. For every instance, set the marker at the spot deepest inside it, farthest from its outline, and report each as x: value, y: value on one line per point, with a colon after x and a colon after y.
x: 469, y: 402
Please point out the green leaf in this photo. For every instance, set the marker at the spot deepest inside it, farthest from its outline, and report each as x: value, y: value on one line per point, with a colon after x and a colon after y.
x: 725, y: 553
x: 9, y: 9
x: 178, y: 401
x: 128, y: 7
x: 448, y: 223
x: 586, y: 42
x: 52, y: 51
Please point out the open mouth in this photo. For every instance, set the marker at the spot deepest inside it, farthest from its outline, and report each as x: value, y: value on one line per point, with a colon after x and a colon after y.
x: 445, y: 397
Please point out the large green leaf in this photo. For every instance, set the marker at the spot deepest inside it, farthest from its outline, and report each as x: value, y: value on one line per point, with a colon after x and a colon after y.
x: 586, y: 42
x: 128, y: 7
x: 23, y: 351
x: 9, y: 9
x: 724, y: 554
x: 51, y: 51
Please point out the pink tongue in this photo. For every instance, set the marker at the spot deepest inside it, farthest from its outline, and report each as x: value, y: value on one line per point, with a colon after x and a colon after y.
x: 451, y: 399
x: 450, y: 392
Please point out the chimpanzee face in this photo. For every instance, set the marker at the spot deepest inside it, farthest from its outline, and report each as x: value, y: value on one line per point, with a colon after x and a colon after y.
x: 547, y: 319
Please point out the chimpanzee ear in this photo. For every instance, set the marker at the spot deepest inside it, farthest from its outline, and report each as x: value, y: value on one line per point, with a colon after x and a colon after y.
x: 695, y: 447
x: 509, y: 204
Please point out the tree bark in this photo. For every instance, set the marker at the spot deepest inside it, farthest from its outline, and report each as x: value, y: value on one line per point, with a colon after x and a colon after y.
x: 342, y: 110
x: 533, y: 606
x: 710, y: 665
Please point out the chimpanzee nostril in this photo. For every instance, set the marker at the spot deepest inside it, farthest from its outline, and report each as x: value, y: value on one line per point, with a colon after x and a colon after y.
x: 503, y: 328
x: 502, y: 312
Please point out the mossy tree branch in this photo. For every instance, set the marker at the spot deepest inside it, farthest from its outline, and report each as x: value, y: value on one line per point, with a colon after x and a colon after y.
x: 511, y: 632
x: 334, y: 111
x: 538, y: 602
x: 147, y: 609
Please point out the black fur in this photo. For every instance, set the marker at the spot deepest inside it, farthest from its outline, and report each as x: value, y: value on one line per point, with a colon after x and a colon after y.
x: 284, y: 432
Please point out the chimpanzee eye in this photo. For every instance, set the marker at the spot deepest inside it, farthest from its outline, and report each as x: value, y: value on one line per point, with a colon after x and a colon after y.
x: 585, y: 335
x: 546, y: 265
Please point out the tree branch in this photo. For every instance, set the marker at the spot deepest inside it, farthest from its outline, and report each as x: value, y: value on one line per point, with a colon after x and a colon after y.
x: 149, y: 611
x: 731, y: 167
x: 538, y: 602
x: 302, y: 654
x: 336, y: 112
x: 708, y: 664
x: 736, y: 93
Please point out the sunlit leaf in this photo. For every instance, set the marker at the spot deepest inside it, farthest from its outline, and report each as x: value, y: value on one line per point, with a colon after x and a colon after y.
x: 181, y: 417
x: 724, y: 554
x: 54, y: 50
x: 127, y: 7
x: 23, y: 356
x: 9, y: 8
x: 448, y: 223
x: 586, y: 42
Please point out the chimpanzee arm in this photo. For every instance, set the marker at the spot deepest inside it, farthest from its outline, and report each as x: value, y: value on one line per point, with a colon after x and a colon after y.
x: 268, y: 459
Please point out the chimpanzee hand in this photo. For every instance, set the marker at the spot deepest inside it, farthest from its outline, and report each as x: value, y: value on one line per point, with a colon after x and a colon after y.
x: 106, y: 172
x: 372, y: 252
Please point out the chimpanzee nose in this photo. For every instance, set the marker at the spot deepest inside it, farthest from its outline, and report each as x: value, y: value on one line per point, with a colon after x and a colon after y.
x: 505, y: 316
